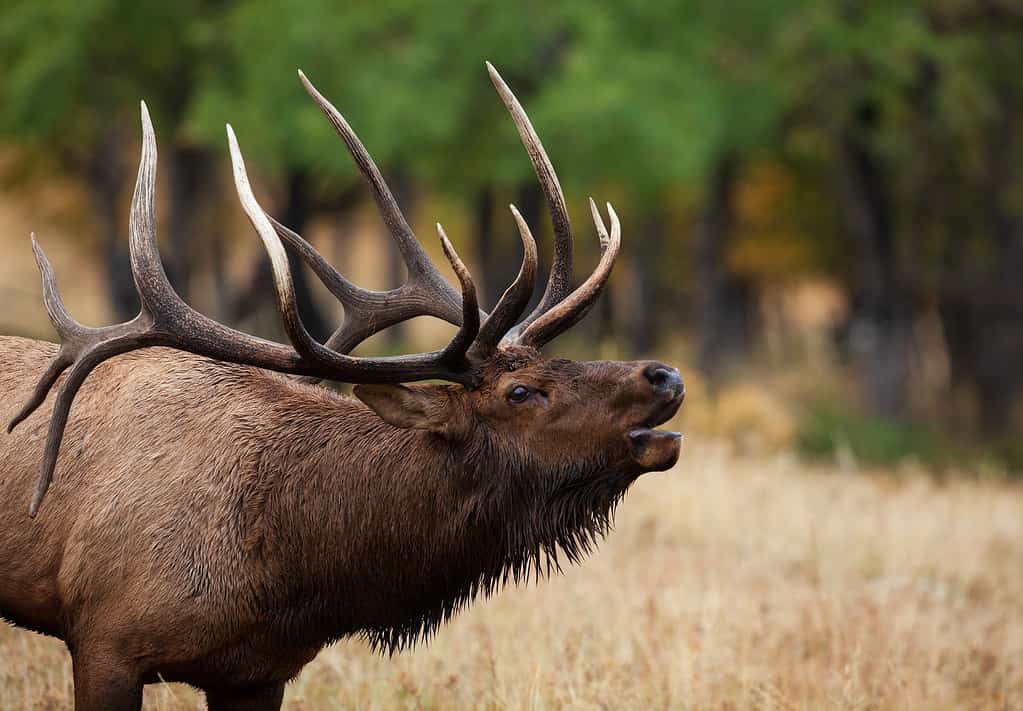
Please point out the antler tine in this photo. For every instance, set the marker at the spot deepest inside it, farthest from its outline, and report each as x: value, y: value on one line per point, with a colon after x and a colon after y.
x: 559, y: 283
x: 569, y: 312
x: 62, y: 323
x: 515, y: 298
x: 423, y: 275
x: 598, y: 222
x: 284, y: 287
x: 470, y: 328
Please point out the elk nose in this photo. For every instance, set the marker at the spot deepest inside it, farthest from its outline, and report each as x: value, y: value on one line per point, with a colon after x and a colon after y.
x: 665, y: 379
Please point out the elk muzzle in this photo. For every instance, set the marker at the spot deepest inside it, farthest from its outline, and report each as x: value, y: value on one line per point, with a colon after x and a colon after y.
x: 652, y: 449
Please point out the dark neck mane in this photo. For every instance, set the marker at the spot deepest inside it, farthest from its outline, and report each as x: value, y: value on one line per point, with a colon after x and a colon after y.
x: 390, y: 532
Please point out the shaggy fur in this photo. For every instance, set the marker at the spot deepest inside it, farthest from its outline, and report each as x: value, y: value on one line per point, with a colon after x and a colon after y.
x: 218, y: 525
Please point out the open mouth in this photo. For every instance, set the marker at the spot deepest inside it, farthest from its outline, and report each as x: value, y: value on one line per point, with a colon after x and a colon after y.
x: 653, y: 449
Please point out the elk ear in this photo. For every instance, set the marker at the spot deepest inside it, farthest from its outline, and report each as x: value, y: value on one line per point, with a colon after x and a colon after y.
x: 424, y: 407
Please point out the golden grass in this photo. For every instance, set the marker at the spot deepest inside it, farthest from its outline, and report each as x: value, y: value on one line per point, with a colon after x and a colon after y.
x: 730, y: 584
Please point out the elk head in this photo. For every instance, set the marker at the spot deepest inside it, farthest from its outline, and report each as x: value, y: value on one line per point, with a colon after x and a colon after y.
x: 503, y: 399
x: 557, y: 414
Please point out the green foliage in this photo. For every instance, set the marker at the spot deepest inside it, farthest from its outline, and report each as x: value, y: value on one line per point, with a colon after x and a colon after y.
x: 408, y: 76
x: 828, y: 430
x: 71, y: 67
x: 641, y: 97
x: 628, y: 94
x: 652, y: 94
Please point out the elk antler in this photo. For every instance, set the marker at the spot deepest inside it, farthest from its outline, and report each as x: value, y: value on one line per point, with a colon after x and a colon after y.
x: 166, y: 320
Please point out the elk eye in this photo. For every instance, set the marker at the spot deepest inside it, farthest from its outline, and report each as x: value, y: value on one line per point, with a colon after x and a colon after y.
x: 519, y: 393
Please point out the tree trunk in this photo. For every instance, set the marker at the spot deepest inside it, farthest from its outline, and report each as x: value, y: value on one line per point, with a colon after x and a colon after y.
x: 881, y: 329
x: 645, y: 303
x: 486, y: 245
x: 106, y: 179
x: 981, y: 305
x: 296, y: 215
x: 727, y: 310
x: 191, y: 182
x: 1000, y: 345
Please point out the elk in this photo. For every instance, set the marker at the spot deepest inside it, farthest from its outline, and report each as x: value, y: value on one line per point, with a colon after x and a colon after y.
x: 220, y: 516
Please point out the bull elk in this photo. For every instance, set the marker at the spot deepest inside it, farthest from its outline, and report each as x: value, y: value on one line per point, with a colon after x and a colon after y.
x: 219, y: 517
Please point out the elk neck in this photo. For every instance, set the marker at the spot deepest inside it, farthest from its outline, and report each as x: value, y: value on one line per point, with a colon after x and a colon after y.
x: 402, y: 528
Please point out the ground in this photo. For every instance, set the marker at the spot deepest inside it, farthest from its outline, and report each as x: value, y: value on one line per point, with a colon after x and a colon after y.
x: 730, y: 583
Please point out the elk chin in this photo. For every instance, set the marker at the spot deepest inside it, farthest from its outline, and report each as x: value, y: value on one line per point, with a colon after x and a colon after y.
x: 654, y: 450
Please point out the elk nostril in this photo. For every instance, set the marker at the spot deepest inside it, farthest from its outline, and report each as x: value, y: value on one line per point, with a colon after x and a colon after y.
x: 664, y: 379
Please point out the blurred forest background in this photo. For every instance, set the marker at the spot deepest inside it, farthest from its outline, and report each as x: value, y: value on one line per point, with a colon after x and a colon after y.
x: 822, y: 201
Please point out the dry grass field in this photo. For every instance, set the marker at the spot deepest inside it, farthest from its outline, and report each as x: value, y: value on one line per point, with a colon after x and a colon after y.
x: 730, y: 583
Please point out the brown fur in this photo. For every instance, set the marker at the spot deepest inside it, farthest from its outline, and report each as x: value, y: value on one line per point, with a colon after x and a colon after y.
x: 218, y: 524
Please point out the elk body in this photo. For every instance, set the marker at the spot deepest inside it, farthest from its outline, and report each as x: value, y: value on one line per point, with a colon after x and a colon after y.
x: 217, y: 523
